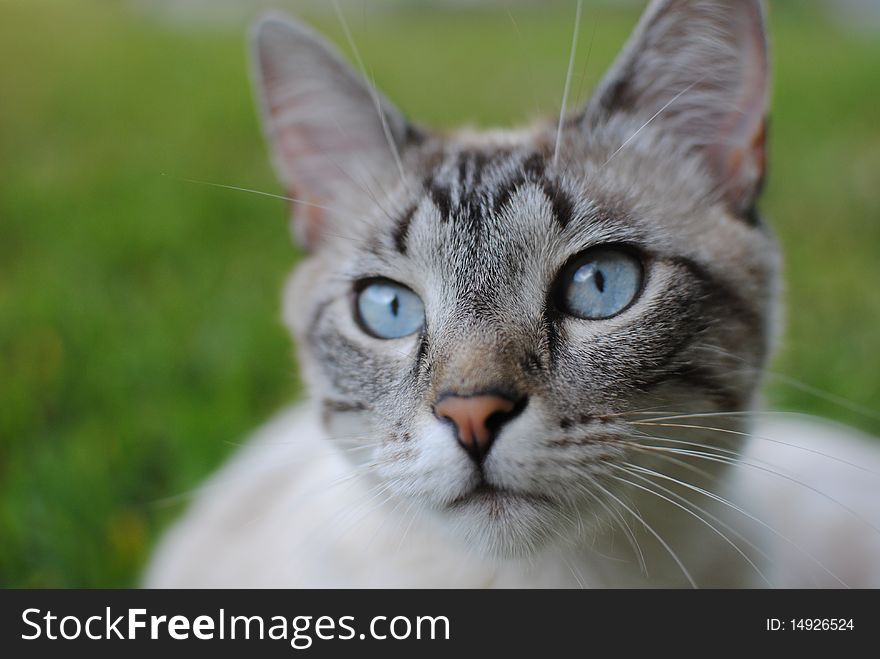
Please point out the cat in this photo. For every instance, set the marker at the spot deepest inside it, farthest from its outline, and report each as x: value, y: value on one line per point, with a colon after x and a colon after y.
x: 532, y: 354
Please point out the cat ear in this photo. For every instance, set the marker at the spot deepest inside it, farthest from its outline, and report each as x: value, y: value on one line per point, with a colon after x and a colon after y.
x: 326, y: 126
x: 698, y: 69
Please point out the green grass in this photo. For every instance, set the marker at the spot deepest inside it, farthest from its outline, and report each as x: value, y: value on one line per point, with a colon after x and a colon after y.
x: 139, y: 333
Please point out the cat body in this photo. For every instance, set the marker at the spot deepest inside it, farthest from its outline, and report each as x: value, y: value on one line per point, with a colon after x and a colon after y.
x: 533, y: 354
x: 285, y: 513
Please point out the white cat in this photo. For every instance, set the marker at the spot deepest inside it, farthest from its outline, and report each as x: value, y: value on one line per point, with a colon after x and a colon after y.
x: 532, y: 354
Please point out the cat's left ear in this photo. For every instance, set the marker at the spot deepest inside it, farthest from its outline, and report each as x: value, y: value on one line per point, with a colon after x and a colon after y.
x: 331, y: 134
x: 698, y: 70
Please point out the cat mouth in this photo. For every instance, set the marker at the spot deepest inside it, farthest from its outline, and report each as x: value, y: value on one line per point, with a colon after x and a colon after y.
x: 496, y: 497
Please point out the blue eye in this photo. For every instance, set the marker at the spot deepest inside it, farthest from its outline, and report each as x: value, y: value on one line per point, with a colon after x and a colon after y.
x: 387, y: 310
x: 600, y: 284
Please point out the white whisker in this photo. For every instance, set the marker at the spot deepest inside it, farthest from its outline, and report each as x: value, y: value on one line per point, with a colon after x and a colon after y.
x: 571, y: 56
x: 746, y: 514
x: 616, y: 516
x: 704, y: 521
x: 389, y: 138
x: 656, y: 535
x: 656, y: 114
x: 628, y: 468
x: 574, y: 573
x: 713, y: 457
x: 754, y: 436
x: 821, y: 394
x: 284, y: 198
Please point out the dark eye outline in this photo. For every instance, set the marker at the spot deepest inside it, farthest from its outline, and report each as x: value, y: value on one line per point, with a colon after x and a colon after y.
x: 358, y: 287
x: 566, y: 272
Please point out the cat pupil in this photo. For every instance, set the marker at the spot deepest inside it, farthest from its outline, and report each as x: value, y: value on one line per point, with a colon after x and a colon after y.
x: 591, y: 271
x: 395, y: 304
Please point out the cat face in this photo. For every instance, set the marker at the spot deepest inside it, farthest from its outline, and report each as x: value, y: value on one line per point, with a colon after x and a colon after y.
x: 484, y: 318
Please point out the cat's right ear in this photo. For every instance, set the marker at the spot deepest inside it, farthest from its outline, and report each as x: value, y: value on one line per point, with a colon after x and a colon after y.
x: 330, y: 132
x: 698, y: 71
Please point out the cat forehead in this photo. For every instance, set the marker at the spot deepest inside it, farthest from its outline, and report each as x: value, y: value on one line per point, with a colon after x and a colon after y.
x: 473, y: 185
x: 487, y: 197
x: 475, y: 205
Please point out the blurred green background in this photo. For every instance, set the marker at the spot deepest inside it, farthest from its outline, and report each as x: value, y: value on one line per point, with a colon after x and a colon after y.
x: 139, y: 332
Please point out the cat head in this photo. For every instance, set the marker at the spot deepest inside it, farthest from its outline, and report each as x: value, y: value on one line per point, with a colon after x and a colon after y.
x: 484, y: 317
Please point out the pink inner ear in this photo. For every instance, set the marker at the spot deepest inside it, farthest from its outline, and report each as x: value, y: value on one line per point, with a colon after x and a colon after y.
x: 740, y: 169
x: 322, y: 121
x: 739, y: 156
x: 317, y: 161
x: 698, y: 69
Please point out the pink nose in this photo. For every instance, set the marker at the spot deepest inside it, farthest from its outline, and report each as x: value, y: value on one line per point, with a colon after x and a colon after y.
x: 477, y: 419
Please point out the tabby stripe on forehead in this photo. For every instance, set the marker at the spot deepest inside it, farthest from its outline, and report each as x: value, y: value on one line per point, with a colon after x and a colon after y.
x: 477, y: 161
x: 563, y: 207
x: 531, y: 171
x: 401, y: 229
x: 470, y: 167
x: 470, y: 175
x: 533, y: 167
x: 440, y: 197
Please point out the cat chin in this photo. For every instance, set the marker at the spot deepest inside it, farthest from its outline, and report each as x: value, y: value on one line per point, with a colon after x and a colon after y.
x: 501, y: 523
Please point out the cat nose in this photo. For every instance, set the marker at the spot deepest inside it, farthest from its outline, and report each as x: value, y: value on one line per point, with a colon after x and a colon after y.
x: 478, y: 419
